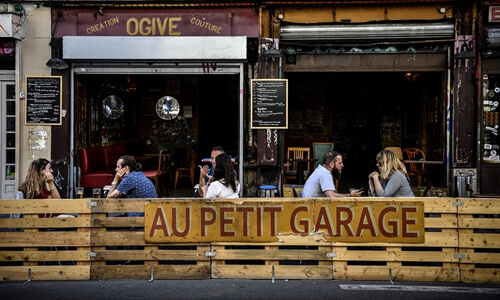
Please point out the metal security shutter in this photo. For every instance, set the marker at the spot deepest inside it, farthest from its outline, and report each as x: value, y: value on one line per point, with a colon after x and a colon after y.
x: 367, y: 32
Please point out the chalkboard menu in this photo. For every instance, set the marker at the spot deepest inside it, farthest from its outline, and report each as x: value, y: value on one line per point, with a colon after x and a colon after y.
x: 269, y: 103
x: 43, y: 100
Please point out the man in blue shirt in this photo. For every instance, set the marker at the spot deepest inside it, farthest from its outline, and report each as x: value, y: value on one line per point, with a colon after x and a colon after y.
x: 130, y: 182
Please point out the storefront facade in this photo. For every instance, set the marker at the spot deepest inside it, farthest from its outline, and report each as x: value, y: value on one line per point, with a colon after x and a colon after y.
x: 369, y: 76
x: 364, y: 75
x: 140, y: 56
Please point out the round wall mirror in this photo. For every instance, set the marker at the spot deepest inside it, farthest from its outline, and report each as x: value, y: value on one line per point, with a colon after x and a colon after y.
x: 112, y: 107
x: 167, y: 108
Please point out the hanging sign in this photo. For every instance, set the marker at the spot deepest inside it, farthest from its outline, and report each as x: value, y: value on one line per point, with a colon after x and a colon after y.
x: 43, y: 100
x: 269, y: 103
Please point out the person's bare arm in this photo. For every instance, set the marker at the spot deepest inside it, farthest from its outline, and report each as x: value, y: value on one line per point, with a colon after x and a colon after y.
x: 113, y: 192
x: 54, y: 193
x: 333, y: 194
x: 203, y: 174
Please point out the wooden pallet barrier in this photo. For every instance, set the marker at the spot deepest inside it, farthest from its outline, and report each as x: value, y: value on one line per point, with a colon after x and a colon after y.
x: 97, y: 239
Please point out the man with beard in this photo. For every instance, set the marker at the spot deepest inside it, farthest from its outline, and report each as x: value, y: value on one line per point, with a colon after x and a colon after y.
x: 320, y: 183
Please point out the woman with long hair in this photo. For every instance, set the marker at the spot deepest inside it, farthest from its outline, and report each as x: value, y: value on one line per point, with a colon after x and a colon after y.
x: 39, y: 183
x: 224, y: 184
x: 392, y: 171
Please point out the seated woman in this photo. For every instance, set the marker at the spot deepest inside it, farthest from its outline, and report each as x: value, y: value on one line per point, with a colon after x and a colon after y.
x: 39, y: 183
x: 395, y: 182
x: 224, y: 183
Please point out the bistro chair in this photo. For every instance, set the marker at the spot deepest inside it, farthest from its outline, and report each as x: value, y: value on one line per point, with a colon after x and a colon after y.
x: 319, y: 150
x: 416, y: 171
x: 162, y: 169
x: 186, y: 172
x: 290, y: 166
x: 396, y: 150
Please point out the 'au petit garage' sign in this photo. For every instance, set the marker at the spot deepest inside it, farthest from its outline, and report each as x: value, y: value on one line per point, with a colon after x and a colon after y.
x: 352, y: 221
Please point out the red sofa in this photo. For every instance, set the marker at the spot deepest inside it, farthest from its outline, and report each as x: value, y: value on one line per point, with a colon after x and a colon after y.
x: 97, y: 165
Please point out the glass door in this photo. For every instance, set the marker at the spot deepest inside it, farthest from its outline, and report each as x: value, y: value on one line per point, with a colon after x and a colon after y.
x: 7, y: 139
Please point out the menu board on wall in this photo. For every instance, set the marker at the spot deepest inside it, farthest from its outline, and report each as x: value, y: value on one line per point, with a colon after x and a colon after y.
x: 43, y: 100
x: 269, y: 103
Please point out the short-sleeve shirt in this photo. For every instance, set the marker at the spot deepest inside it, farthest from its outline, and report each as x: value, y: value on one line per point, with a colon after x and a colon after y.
x: 397, y: 186
x: 136, y: 185
x: 321, y: 180
x: 218, y: 190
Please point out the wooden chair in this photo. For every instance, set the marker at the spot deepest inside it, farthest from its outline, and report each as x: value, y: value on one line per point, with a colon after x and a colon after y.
x: 319, y: 150
x: 396, y: 150
x: 415, y: 172
x: 290, y: 166
x: 186, y: 172
x: 162, y: 169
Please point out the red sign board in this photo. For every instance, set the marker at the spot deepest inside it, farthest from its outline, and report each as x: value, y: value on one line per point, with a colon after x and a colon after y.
x: 494, y: 14
x: 155, y: 24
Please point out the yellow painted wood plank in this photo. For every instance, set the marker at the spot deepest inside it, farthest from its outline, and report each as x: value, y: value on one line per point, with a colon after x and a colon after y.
x: 144, y: 272
x: 46, y: 255
x: 36, y: 206
x: 44, y: 239
x: 121, y: 205
x: 438, y: 204
x: 20, y: 273
x: 151, y: 255
x: 479, y: 206
x: 475, y: 275
x: 281, y: 272
x: 447, y: 221
x: 447, y: 254
x: 268, y: 254
x: 110, y: 222
x: 403, y: 273
x: 472, y: 257
x: 479, y: 223
x: 479, y: 240
x: 45, y: 222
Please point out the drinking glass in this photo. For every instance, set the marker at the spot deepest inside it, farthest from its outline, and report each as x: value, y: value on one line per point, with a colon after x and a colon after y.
x: 79, y: 192
x: 96, y: 192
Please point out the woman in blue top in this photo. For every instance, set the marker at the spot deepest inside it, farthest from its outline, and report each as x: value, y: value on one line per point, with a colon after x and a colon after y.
x: 395, y: 181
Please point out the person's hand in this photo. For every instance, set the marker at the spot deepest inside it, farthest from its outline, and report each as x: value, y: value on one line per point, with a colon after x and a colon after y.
x: 356, y: 193
x: 203, y: 171
x: 119, y: 175
x: 374, y: 175
x: 49, y: 178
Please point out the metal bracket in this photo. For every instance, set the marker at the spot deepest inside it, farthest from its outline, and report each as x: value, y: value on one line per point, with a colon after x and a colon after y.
x: 210, y: 253
x: 91, y: 204
x: 91, y: 254
x: 29, y: 276
x: 459, y: 255
x: 458, y: 203
x: 152, y: 274
x: 331, y: 254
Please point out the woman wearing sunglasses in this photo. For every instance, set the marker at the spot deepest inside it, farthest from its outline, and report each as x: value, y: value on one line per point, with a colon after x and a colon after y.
x: 391, y: 180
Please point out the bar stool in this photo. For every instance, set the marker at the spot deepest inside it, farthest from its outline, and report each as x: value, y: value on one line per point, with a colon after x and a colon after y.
x: 267, y: 190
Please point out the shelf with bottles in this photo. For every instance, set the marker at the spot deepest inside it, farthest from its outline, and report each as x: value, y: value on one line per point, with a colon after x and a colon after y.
x: 491, y: 116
